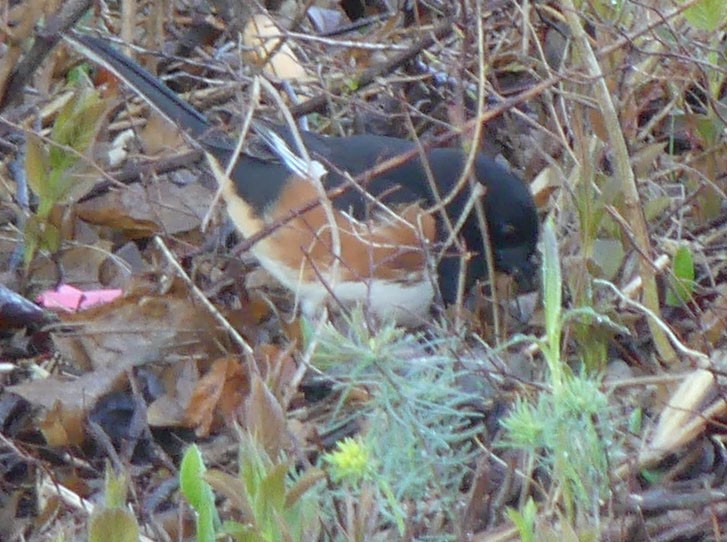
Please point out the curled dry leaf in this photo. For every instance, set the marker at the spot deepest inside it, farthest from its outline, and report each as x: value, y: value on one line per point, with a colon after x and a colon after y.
x: 263, y: 36
x: 264, y: 418
x: 63, y: 426
x: 545, y: 184
x: 217, y: 395
x: 169, y: 410
x: 695, y: 403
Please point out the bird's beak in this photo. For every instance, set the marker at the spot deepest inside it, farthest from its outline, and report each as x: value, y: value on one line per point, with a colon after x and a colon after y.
x: 521, y: 266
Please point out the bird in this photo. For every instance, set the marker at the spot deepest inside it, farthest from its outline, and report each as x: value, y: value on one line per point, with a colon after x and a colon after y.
x: 375, y: 242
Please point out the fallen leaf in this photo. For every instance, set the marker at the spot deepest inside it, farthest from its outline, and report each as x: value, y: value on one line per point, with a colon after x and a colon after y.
x: 141, y: 212
x: 217, y: 396
x: 261, y: 34
x: 63, y: 426
x: 264, y: 418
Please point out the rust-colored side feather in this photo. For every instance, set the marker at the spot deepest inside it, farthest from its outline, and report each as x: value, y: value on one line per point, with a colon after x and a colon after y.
x: 387, y: 249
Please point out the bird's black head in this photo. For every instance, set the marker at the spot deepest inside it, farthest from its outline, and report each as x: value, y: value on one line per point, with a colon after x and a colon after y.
x: 512, y: 221
x: 512, y: 224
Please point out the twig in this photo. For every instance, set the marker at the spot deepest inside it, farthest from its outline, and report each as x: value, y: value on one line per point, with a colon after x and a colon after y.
x: 45, y: 40
x: 654, y: 317
x: 319, y: 103
x: 206, y: 302
x: 625, y: 174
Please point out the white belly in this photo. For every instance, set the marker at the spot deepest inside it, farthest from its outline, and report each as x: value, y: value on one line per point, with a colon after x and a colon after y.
x: 407, y: 303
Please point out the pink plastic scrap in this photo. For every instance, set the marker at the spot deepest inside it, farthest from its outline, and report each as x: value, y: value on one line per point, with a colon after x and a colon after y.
x: 72, y: 299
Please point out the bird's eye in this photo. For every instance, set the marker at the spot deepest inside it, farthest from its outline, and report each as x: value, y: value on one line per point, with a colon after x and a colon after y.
x: 508, y: 230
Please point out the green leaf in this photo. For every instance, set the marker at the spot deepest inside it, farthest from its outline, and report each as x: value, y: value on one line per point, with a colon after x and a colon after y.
x: 524, y: 521
x: 652, y: 476
x: 113, y: 525
x: 76, y: 121
x: 31, y: 239
x: 608, y: 254
x: 51, y: 238
x: 682, y: 285
x: 636, y: 421
x: 79, y: 74
x: 552, y: 301
x: 272, y: 488
x: 707, y: 15
x: 198, y: 493
x: 39, y: 234
x: 190, y: 477
x: 716, y: 77
x: 708, y: 126
x: 74, y: 130
x: 115, y: 489
x: 37, y: 166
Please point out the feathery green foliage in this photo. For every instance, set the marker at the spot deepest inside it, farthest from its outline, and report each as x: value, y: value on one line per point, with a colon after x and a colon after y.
x: 419, y: 428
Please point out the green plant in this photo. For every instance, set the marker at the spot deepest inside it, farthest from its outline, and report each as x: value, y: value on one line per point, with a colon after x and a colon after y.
x: 601, y: 254
x: 682, y: 285
x: 567, y: 430
x: 525, y: 521
x: 57, y: 166
x: 198, y: 493
x: 707, y: 14
x: 113, y: 521
x: 351, y: 465
x: 417, y: 446
x: 271, y: 505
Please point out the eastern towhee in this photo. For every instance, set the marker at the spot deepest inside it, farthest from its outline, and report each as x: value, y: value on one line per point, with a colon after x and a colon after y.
x: 372, y: 242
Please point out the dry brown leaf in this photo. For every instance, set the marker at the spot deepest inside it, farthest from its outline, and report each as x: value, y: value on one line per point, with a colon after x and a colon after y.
x: 158, y: 136
x: 547, y: 181
x: 63, y: 425
x: 21, y: 18
x: 138, y: 329
x: 276, y: 366
x: 81, y: 265
x: 109, y: 340
x: 236, y: 389
x: 140, y: 212
x: 202, y: 408
x: 253, y: 312
x: 261, y: 34
x: 179, y: 381
x: 217, y: 395
x: 67, y: 401
x: 714, y: 320
x: 264, y: 418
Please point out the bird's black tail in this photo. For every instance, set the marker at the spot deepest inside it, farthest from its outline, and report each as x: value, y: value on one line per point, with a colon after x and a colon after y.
x: 160, y: 97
